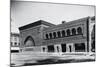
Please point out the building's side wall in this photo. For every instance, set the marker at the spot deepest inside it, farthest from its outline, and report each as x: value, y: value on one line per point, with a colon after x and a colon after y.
x: 14, y: 42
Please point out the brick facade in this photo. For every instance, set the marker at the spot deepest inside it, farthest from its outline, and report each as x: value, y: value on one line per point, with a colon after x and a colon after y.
x: 46, y: 36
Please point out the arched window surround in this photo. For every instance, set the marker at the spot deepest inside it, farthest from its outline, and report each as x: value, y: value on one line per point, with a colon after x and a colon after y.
x: 73, y: 30
x: 50, y: 35
x: 46, y: 36
x: 59, y: 34
x: 29, y: 37
x: 63, y: 32
x: 79, y: 30
x: 54, y: 34
x: 68, y: 31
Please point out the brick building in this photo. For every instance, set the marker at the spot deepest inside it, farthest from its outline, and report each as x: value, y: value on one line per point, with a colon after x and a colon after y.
x: 73, y: 36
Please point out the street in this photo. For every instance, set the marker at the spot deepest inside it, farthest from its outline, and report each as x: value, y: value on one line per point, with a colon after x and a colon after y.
x: 37, y: 58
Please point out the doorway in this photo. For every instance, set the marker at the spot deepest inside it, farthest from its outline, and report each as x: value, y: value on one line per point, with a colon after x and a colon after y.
x: 50, y: 48
x: 70, y: 50
x: 63, y: 47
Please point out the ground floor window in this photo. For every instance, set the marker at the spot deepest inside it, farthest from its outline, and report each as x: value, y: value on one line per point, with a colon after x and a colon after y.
x: 43, y: 49
x: 80, y: 47
x: 63, y: 47
x: 51, y: 48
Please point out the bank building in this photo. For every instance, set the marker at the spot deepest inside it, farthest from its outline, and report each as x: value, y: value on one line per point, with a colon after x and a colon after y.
x: 74, y: 36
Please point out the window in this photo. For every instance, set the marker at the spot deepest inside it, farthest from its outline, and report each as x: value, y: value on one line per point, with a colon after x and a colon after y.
x: 15, y: 38
x: 15, y: 44
x: 11, y: 44
x: 54, y: 34
x: 79, y: 30
x: 29, y: 41
x: 80, y: 47
x: 73, y: 31
x: 43, y: 49
x: 11, y: 38
x: 59, y: 35
x: 68, y: 32
x: 51, y: 48
x: 63, y: 33
x: 50, y: 34
x: 47, y: 37
x: 19, y: 44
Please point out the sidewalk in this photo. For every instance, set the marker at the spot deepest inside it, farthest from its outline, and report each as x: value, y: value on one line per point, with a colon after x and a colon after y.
x: 36, y: 58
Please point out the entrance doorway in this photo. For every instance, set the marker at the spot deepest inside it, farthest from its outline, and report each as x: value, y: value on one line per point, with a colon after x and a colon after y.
x: 63, y: 46
x: 70, y: 50
x: 80, y: 47
x: 50, y: 48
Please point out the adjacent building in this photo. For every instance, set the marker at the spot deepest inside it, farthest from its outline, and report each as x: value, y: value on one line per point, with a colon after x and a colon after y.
x: 73, y: 36
x: 15, y: 42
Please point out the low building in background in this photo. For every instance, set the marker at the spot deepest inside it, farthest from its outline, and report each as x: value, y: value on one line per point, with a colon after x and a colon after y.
x: 15, y: 42
x: 74, y: 36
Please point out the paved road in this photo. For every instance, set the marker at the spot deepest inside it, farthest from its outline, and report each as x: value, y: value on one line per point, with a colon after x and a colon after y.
x: 36, y: 58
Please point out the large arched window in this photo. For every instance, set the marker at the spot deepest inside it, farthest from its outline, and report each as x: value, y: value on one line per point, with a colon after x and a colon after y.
x: 50, y: 34
x: 68, y: 32
x: 54, y: 34
x: 63, y: 33
x: 79, y: 30
x: 29, y: 41
x: 73, y: 31
x: 59, y: 34
x: 47, y: 37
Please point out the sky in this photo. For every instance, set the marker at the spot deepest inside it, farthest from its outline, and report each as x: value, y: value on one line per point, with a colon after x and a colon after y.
x: 25, y: 12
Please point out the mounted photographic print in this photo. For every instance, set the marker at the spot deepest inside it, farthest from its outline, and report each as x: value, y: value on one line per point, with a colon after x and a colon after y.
x: 51, y: 33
